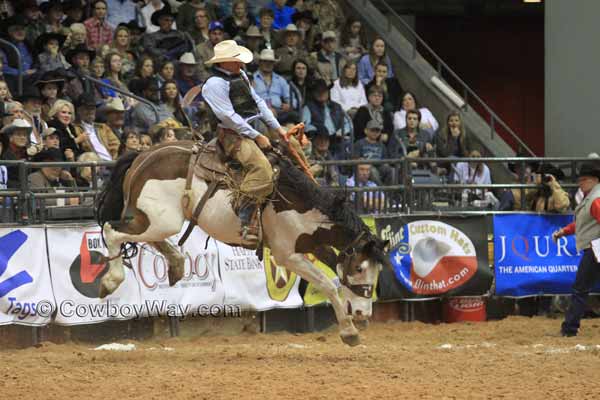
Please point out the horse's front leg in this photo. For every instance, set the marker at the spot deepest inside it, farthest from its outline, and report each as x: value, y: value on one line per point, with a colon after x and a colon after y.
x: 300, y: 265
x: 115, y: 274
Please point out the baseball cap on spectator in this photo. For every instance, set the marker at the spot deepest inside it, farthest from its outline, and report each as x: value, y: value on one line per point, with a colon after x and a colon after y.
x: 329, y: 35
x: 215, y: 25
x: 253, y: 31
x: 163, y: 12
x: 48, y: 155
x: 376, y: 125
x: 49, y: 132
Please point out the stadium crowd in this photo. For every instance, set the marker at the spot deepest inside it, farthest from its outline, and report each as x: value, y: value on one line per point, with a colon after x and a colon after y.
x: 311, y: 64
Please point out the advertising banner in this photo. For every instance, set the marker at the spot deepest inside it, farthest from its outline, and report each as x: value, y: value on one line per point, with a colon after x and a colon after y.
x: 435, y: 256
x: 25, y: 292
x: 527, y: 261
x: 76, y: 269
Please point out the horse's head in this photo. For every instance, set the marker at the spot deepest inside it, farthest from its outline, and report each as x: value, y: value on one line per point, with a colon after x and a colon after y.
x: 358, y: 267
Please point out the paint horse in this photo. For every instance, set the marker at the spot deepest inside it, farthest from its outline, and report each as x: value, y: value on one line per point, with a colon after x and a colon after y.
x: 143, y: 198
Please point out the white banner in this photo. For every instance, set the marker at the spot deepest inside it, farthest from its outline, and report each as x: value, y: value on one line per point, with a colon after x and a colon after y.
x: 245, y: 280
x: 25, y: 291
x: 76, y: 270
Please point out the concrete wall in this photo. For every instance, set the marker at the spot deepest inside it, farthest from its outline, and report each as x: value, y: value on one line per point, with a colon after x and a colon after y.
x: 572, y: 103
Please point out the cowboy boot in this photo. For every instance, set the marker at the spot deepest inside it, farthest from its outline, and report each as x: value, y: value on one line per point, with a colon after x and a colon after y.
x: 247, y: 213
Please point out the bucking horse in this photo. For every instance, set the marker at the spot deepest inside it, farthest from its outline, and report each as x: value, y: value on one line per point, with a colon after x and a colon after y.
x: 151, y: 194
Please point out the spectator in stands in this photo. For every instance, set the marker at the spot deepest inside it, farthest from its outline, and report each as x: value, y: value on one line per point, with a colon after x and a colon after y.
x: 142, y: 115
x: 73, y: 10
x: 166, y: 134
x: 51, y: 86
x: 305, y: 21
x: 144, y: 69
x: 372, y: 148
x: 169, y: 93
x: 98, y: 30
x: 270, y: 86
x: 329, y: 14
x: 145, y: 142
x: 187, y: 77
x: 368, y: 201
x: 16, y: 138
x: 205, y: 51
x: 390, y: 86
x: 51, y: 139
x: 199, y: 31
x: 5, y: 94
x: 62, y: 115
x: 49, y: 47
x: 131, y: 142
x: 97, y: 68
x: 320, y: 113
x: 151, y: 7
x: 84, y: 177
x: 188, y: 19
x: 97, y: 138
x: 329, y: 63
x: 122, y: 46
x: 166, y: 72
x: 353, y: 39
x: 452, y: 141
x: 114, y: 110
x: 428, y: 121
x: 411, y: 141
x: 33, y: 17
x: 166, y: 42
x: 373, y: 111
x: 113, y: 67
x: 282, y: 14
x: 327, y: 175
x: 52, y: 178
x: 475, y: 173
x: 122, y: 12
x: 367, y: 63
x: 15, y: 26
x: 253, y: 41
x: 299, y: 84
x: 348, y: 91
x: 77, y: 38
x: 290, y: 52
x: 239, y: 21
x: 79, y: 58
x: 53, y: 11
x: 267, y: 31
x: 32, y: 106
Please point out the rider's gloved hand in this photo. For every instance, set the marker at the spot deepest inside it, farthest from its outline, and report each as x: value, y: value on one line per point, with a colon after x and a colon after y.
x: 263, y: 142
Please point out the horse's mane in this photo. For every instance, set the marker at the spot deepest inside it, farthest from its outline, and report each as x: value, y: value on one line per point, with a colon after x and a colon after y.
x: 334, y: 206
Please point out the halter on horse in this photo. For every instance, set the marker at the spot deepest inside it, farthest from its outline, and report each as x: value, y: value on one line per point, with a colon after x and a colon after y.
x: 145, y: 192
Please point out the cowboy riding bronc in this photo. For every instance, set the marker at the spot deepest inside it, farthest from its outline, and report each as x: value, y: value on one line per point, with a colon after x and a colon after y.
x: 235, y: 105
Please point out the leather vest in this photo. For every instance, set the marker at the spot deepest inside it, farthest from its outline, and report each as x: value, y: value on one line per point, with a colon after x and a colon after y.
x: 239, y: 93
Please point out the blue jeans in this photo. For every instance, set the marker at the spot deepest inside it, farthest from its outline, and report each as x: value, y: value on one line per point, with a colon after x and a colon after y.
x: 588, y: 274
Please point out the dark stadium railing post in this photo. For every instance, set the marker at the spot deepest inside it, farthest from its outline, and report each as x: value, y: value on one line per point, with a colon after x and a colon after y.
x: 24, y: 194
x: 522, y: 181
x: 174, y: 326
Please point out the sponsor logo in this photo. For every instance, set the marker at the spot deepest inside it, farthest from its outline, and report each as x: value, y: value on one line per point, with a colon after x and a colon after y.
x: 433, y: 257
x: 9, y: 244
x: 87, y: 269
x: 280, y: 281
x: 541, y: 246
x: 467, y: 304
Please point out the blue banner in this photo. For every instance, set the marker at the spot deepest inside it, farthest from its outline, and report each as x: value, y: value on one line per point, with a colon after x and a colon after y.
x: 527, y: 261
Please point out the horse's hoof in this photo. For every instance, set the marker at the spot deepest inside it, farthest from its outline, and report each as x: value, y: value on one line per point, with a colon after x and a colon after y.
x: 351, y: 340
x: 174, y: 277
x: 106, y: 288
x: 362, y: 324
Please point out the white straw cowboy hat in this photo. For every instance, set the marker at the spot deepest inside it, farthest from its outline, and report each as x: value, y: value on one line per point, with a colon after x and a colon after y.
x: 16, y: 124
x: 114, y: 104
x: 187, y: 58
x: 267, y: 55
x: 230, y: 51
x: 426, y: 254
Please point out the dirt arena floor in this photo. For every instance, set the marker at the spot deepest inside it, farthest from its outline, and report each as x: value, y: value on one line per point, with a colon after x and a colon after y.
x: 516, y: 358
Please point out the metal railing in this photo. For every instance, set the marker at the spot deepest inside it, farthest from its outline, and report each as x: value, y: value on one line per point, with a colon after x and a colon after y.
x: 126, y: 93
x: 403, y: 194
x: 441, y: 67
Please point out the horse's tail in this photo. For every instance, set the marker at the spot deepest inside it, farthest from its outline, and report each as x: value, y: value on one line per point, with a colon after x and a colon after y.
x: 109, y: 202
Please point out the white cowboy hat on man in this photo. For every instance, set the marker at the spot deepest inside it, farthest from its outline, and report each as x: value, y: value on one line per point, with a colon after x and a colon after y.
x: 230, y: 51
